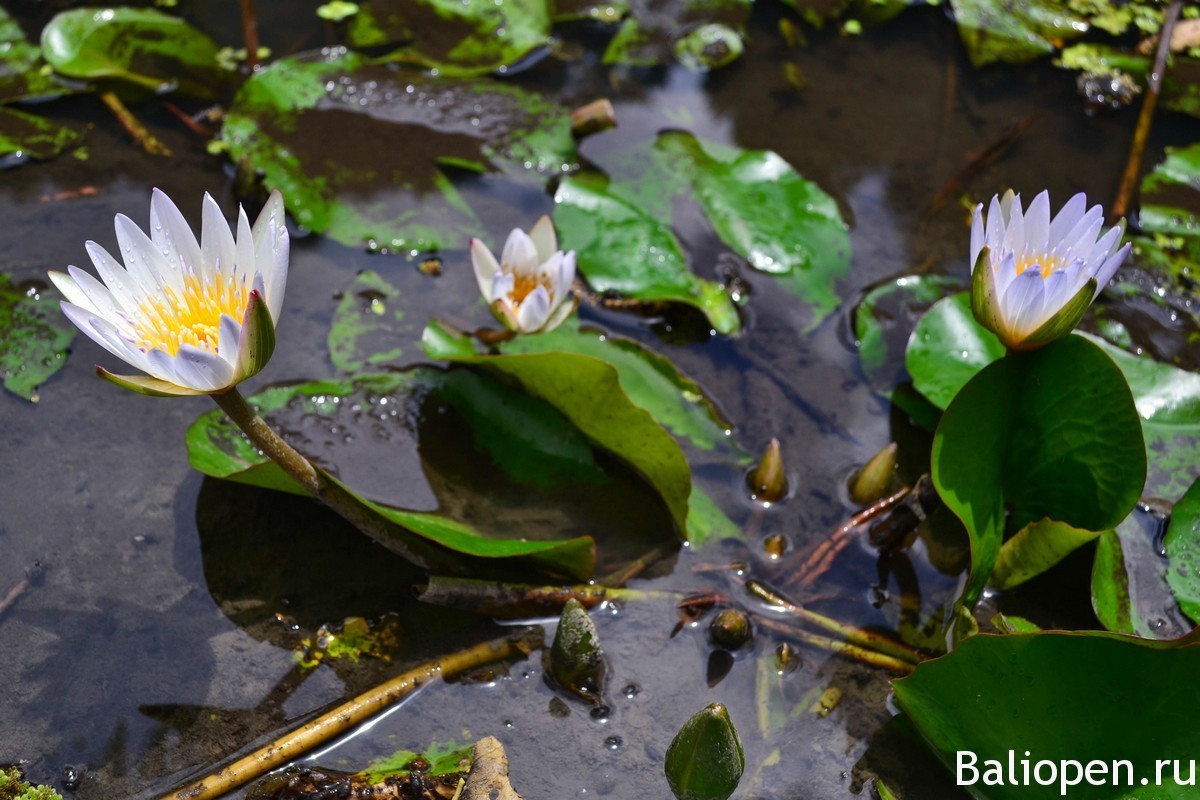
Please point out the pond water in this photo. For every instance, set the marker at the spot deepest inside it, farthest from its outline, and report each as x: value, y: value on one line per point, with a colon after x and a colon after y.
x: 157, y: 633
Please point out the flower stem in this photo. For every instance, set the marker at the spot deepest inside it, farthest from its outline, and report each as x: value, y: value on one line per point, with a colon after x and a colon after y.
x: 354, y: 712
x: 318, y: 485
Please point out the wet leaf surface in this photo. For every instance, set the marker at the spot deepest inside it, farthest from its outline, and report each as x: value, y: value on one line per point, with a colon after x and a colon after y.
x: 624, y: 227
x: 405, y: 775
x: 885, y: 317
x: 142, y: 46
x: 21, y: 67
x: 996, y: 30
x: 313, y: 125
x: 25, y: 136
x: 655, y: 31
x: 587, y: 391
x: 1182, y: 544
x: 368, y: 327
x: 34, y: 336
x: 1061, y: 696
x: 454, y: 37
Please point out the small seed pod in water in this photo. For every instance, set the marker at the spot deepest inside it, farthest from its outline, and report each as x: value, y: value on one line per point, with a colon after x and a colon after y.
x: 775, y: 545
x: 576, y: 658
x: 786, y: 659
x: 731, y: 629
x: 873, y: 481
x: 768, y: 482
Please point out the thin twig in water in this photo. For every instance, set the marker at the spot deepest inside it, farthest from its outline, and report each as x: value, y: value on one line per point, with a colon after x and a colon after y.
x: 137, y: 130
x: 250, y: 34
x: 1133, y: 165
x: 194, y: 125
x: 15, y: 592
x: 346, y: 716
x: 839, y: 538
x: 840, y: 648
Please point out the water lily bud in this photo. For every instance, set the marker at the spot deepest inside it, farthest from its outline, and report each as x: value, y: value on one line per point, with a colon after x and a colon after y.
x: 705, y: 760
x: 576, y: 658
x: 1033, y: 277
x: 768, y: 482
x: 731, y: 629
x: 872, y: 482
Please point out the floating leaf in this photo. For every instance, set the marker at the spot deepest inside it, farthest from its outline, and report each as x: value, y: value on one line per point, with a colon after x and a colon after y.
x: 34, y: 336
x: 887, y: 312
x: 947, y: 348
x: 368, y: 328
x: 403, y: 774
x: 1050, y: 433
x: 1180, y: 89
x: 457, y: 440
x: 998, y: 30
x: 1170, y: 219
x: 705, y: 759
x: 1070, y: 699
x: 313, y: 125
x: 587, y: 391
x: 23, y: 74
x: 1182, y: 544
x: 24, y: 136
x: 621, y: 227
x: 455, y: 37
x: 1034, y: 549
x: 140, y: 45
x: 654, y: 31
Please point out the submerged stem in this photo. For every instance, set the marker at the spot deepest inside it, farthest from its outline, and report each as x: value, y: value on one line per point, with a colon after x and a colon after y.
x: 250, y: 33
x: 346, y: 716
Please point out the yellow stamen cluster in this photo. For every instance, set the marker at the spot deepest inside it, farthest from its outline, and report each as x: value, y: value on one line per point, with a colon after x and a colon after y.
x: 523, y: 285
x: 1046, y: 263
x: 171, y: 320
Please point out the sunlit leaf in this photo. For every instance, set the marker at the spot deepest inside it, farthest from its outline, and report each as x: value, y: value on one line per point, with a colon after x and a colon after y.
x: 1182, y: 544
x: 705, y: 759
x: 1048, y: 433
x: 1034, y: 549
x: 456, y: 37
x: 23, y: 74
x: 655, y: 31
x: 1063, y: 697
x: 25, y: 136
x: 140, y: 45
x: 588, y: 392
x: 998, y: 30
x: 314, y: 124
x: 885, y: 317
x: 34, y: 337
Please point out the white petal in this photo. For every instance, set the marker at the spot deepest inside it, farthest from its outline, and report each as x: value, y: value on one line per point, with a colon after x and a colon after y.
x: 173, y: 237
x: 1109, y: 268
x: 486, y: 268
x: 519, y: 254
x: 142, y: 260
x: 1057, y: 289
x: 1083, y: 235
x: 229, y: 338
x: 502, y: 286
x: 566, y: 274
x: 216, y: 240
x: 244, y: 263
x: 549, y: 272
x: 93, y: 291
x: 994, y: 230
x: 1104, y: 248
x: 122, y: 285
x: 271, y: 252
x: 1024, y: 304
x: 75, y: 295
x: 534, y: 310
x: 977, y: 239
x: 543, y: 238
x: 1037, y: 223
x: 90, y: 324
x: 202, y: 369
x: 1067, y: 217
x: 1014, y: 231
x: 165, y: 368
x: 1005, y: 273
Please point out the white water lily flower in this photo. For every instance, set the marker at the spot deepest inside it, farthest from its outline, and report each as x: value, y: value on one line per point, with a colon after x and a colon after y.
x: 1034, y: 277
x: 529, y: 291
x: 198, y: 317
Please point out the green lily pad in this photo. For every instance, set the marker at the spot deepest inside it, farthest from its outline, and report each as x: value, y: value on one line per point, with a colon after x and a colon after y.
x: 368, y: 327
x: 621, y: 227
x: 34, y: 337
x: 313, y: 125
x: 452, y: 458
x: 886, y: 313
x: 25, y: 136
x: 588, y: 392
x: 141, y: 46
x: 700, y: 33
x: 456, y: 38
x: 1182, y: 544
x: 1170, y: 219
x: 998, y: 30
x: 1180, y: 89
x: 1051, y: 433
x: 1063, y: 697
x: 23, y: 73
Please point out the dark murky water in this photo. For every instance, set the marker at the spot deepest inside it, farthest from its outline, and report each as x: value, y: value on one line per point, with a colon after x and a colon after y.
x: 149, y: 646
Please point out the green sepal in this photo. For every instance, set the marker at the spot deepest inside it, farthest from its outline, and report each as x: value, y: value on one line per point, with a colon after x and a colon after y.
x: 144, y: 384
x: 504, y: 315
x: 984, y: 304
x: 1063, y: 321
x: 258, y: 338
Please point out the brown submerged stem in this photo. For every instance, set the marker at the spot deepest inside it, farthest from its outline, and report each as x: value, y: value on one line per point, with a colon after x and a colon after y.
x: 312, y: 480
x: 846, y: 649
x: 346, y: 716
x: 250, y: 33
x: 1133, y: 165
x: 149, y: 142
